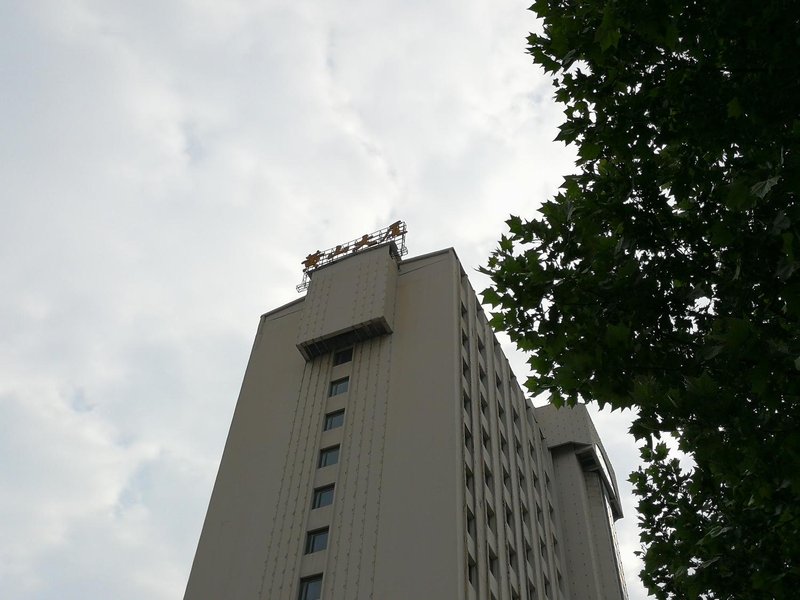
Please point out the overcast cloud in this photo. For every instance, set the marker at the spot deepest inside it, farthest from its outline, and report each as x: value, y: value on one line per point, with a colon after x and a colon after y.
x: 164, y: 168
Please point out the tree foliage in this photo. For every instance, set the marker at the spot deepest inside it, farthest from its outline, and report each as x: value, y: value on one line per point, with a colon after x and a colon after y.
x: 664, y: 274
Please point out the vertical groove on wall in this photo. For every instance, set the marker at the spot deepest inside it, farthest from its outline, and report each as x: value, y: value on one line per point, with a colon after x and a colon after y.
x: 300, y: 491
x: 386, y: 355
x: 298, y: 461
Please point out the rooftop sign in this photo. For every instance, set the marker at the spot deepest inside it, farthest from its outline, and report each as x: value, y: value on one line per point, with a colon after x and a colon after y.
x: 396, y: 232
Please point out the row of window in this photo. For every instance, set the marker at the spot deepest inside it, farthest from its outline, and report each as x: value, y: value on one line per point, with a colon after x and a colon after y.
x: 486, y: 441
x: 317, y: 539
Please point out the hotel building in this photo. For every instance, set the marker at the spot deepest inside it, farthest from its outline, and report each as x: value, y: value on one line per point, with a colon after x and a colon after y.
x: 381, y: 448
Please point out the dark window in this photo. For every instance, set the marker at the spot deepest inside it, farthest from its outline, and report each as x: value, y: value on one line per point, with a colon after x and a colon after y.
x: 343, y: 356
x: 492, y: 562
x: 334, y: 419
x: 490, y: 519
x: 467, y: 439
x: 311, y: 588
x: 467, y: 403
x: 471, y: 524
x: 316, y: 540
x: 472, y: 571
x: 323, y: 496
x: 339, y: 386
x: 328, y: 456
x: 468, y: 480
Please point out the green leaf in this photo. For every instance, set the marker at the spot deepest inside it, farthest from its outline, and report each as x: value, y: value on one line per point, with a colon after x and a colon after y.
x: 762, y: 188
x: 735, y: 109
x: 588, y: 151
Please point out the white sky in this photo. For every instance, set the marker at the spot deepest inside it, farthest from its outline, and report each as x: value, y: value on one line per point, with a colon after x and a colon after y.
x: 164, y: 168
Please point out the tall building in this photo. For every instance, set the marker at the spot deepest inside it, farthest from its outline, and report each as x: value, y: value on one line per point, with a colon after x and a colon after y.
x: 382, y: 448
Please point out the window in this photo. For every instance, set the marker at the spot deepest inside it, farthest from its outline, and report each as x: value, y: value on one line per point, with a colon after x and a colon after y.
x: 311, y: 588
x: 339, y: 386
x: 467, y: 403
x: 467, y: 438
x: 328, y: 456
x: 343, y: 356
x: 472, y: 571
x: 468, y: 480
x: 334, y: 419
x: 316, y: 540
x: 471, y: 524
x: 490, y: 519
x: 492, y: 562
x: 323, y: 496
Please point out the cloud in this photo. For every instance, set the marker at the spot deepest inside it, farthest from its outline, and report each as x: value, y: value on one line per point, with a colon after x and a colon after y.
x: 166, y: 166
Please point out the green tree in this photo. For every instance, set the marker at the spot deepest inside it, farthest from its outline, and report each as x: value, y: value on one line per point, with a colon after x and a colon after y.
x: 664, y: 274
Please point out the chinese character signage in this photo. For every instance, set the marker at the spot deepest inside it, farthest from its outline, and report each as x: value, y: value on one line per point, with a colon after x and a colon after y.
x: 396, y: 232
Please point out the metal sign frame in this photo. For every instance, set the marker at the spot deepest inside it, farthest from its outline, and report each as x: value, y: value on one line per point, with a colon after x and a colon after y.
x: 396, y: 232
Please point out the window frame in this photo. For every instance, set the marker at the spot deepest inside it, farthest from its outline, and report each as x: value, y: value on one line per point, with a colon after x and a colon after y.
x: 312, y: 540
x: 321, y: 493
x: 343, y: 356
x: 328, y: 451
x: 330, y: 422
x: 306, y: 590
x: 339, y: 386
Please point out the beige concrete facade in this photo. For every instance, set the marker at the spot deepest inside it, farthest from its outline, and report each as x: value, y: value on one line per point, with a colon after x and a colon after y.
x: 437, y: 480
